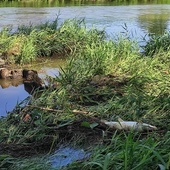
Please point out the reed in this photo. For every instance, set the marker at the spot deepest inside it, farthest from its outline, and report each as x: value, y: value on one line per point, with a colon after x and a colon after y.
x: 29, y: 43
x: 123, y: 153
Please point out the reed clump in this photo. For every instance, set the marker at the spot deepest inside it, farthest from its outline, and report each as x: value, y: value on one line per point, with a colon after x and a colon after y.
x: 31, y: 42
x: 103, y: 79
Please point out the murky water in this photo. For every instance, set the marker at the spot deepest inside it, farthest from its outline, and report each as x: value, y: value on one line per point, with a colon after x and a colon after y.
x: 139, y: 20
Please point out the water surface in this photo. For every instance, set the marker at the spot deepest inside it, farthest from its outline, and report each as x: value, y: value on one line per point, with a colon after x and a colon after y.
x: 67, y: 155
x: 13, y: 91
x: 9, y: 97
x: 140, y: 19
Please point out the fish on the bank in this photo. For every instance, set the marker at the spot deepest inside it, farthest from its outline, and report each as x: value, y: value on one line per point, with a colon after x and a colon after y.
x: 129, y: 125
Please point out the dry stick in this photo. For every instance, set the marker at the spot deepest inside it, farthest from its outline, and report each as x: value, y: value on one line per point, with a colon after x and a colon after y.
x: 56, y: 110
x: 73, y: 111
x: 44, y: 108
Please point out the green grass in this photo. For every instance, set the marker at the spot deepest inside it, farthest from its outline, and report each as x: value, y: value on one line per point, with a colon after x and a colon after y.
x: 29, y: 43
x: 103, y: 78
x: 125, y: 151
x: 39, y: 163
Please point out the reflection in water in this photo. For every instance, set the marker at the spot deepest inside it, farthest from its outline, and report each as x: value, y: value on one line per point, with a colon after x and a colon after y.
x: 13, y: 91
x: 10, y: 82
x: 10, y: 96
x: 154, y: 23
x: 30, y: 87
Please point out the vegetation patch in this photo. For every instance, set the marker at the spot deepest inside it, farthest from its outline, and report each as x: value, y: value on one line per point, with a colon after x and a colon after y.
x: 29, y: 43
x: 104, y: 80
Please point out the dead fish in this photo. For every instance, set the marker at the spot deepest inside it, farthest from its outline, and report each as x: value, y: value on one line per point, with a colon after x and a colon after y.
x: 129, y: 125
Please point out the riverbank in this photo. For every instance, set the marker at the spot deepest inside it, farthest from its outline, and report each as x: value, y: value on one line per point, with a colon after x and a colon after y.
x: 103, y: 80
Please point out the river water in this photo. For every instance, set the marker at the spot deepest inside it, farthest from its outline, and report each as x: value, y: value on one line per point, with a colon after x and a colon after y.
x: 139, y: 20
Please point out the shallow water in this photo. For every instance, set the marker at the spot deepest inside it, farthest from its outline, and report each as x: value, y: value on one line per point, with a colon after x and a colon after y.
x: 10, y: 96
x: 140, y: 19
x: 14, y: 91
x: 67, y: 155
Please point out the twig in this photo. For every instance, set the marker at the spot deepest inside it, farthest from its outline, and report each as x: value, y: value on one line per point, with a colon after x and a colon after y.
x: 44, y: 108
x: 57, y: 110
x: 80, y: 112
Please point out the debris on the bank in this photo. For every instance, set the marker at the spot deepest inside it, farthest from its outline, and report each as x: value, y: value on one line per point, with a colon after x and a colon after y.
x: 10, y: 73
x: 119, y: 125
x: 29, y: 78
x: 129, y: 125
x: 27, y: 117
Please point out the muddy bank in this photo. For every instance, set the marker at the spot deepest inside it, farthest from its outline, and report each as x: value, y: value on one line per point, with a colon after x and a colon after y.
x: 15, y: 77
x: 29, y: 75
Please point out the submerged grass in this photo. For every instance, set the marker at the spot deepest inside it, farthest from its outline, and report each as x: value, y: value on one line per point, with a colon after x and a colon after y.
x: 103, y: 79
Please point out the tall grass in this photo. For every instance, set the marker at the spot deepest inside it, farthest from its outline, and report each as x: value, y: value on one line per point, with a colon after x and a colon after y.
x: 126, y: 152
x: 105, y: 78
x: 46, y: 39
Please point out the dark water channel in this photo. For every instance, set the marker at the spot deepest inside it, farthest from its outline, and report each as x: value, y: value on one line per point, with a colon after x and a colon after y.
x: 140, y: 19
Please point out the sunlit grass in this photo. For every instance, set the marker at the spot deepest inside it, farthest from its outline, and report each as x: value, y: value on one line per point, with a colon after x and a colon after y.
x: 106, y: 78
x: 125, y: 151
x: 29, y: 43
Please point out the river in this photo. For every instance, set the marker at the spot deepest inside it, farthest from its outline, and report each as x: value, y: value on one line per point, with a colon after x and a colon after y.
x: 139, y: 19
x: 136, y: 19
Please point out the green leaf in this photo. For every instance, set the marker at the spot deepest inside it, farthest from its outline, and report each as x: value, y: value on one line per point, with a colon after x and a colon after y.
x: 89, y: 125
x: 93, y: 125
x: 85, y: 124
x: 2, y: 157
